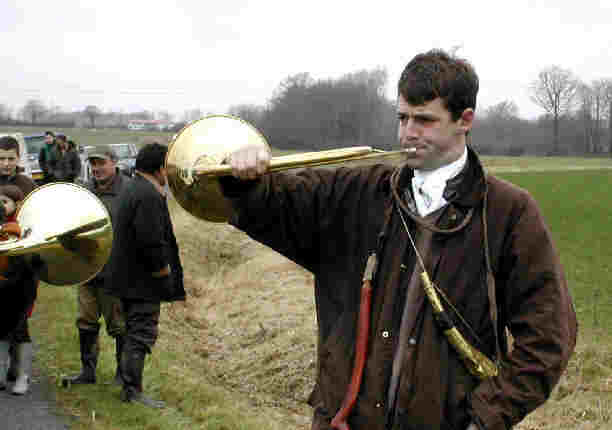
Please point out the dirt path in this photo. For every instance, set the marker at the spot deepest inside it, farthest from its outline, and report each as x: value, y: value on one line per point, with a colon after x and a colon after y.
x: 36, y: 410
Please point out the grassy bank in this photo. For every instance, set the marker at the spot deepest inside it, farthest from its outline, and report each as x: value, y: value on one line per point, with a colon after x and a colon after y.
x: 239, y: 354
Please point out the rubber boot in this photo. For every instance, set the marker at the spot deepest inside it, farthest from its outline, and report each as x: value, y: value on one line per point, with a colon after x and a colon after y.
x: 11, y: 374
x: 4, y: 362
x: 118, y: 352
x: 89, y: 359
x: 132, y: 366
x: 24, y: 368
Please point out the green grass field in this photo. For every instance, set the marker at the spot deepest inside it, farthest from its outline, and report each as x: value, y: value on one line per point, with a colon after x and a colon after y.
x: 205, y: 392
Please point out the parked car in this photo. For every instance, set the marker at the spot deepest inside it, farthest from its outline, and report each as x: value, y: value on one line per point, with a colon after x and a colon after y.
x: 126, y: 152
x: 85, y: 174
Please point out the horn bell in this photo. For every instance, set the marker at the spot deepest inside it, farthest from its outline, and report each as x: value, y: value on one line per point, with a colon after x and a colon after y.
x: 68, y: 227
x: 201, y: 144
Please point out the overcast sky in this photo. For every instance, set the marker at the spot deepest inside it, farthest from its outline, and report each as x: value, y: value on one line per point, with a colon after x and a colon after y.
x: 177, y: 55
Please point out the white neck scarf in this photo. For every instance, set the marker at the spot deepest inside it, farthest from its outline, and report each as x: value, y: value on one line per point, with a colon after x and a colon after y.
x: 428, y: 185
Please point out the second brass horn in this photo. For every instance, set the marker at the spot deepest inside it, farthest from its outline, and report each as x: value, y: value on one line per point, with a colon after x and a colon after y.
x: 68, y: 228
x: 195, y: 156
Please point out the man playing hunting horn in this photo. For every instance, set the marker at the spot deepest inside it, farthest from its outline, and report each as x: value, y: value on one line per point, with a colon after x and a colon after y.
x: 389, y: 354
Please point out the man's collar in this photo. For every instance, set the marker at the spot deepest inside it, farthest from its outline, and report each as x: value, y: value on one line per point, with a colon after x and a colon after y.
x: 153, y: 181
x: 443, y: 173
x: 110, y: 185
x: 466, y: 188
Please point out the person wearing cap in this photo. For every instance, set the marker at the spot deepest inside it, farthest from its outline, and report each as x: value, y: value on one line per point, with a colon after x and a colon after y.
x: 47, y: 157
x: 145, y: 266
x: 19, y: 287
x: 94, y: 299
x: 68, y: 164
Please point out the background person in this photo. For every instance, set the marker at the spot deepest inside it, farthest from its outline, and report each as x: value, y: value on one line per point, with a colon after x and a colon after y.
x: 47, y: 157
x: 18, y: 287
x: 68, y: 164
x: 331, y: 221
x: 9, y: 159
x: 94, y: 299
x: 144, y: 266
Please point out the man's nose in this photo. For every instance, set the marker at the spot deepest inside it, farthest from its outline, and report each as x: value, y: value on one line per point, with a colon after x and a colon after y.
x: 408, y: 129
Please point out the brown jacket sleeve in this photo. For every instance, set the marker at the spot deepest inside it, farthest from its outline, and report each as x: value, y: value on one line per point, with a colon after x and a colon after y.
x: 540, y: 315
x: 291, y: 213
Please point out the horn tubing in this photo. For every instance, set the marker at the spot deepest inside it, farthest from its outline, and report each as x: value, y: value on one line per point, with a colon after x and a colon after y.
x: 306, y: 159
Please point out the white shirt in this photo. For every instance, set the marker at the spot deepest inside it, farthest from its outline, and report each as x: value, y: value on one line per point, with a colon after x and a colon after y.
x: 428, y: 185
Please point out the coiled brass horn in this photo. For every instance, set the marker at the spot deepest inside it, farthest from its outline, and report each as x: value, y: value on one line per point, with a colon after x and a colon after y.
x: 68, y: 227
x: 196, y: 153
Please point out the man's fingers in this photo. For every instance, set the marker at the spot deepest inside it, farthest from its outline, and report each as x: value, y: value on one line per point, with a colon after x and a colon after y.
x: 249, y: 162
x: 263, y: 161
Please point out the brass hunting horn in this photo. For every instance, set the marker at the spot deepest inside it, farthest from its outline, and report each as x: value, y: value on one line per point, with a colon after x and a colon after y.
x: 68, y: 228
x: 196, y: 153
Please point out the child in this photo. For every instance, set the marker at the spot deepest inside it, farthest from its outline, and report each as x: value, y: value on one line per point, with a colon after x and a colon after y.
x: 10, y: 197
x: 19, y: 287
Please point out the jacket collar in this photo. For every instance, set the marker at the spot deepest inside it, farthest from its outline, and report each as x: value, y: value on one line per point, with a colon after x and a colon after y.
x: 114, y: 187
x: 153, y: 181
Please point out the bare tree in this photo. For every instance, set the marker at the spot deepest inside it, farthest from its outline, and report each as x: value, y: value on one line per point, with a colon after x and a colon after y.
x: 33, y: 110
x: 250, y: 113
x: 554, y: 91
x: 585, y: 115
x: 192, y: 115
x: 502, y: 111
x: 163, y: 115
x: 607, y: 95
x: 5, y: 112
x: 598, y: 87
x: 92, y: 113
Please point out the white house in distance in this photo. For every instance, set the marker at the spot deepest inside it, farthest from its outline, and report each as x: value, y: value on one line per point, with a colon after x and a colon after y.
x: 149, y: 124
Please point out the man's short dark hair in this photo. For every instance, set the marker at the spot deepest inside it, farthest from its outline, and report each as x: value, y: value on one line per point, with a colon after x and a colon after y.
x: 438, y: 74
x: 49, y: 133
x: 8, y: 142
x: 151, y: 157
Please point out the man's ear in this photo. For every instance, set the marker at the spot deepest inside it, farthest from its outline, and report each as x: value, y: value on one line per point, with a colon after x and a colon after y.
x: 466, y: 120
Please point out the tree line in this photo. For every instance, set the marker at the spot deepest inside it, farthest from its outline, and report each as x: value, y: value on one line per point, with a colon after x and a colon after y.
x: 353, y: 110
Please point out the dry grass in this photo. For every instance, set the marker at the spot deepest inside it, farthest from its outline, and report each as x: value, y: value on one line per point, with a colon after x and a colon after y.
x: 250, y: 316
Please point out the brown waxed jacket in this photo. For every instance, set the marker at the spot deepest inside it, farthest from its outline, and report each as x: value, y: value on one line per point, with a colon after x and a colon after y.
x: 328, y: 221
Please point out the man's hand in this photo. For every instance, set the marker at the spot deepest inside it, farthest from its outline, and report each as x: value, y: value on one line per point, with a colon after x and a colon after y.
x: 249, y: 162
x: 472, y: 426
